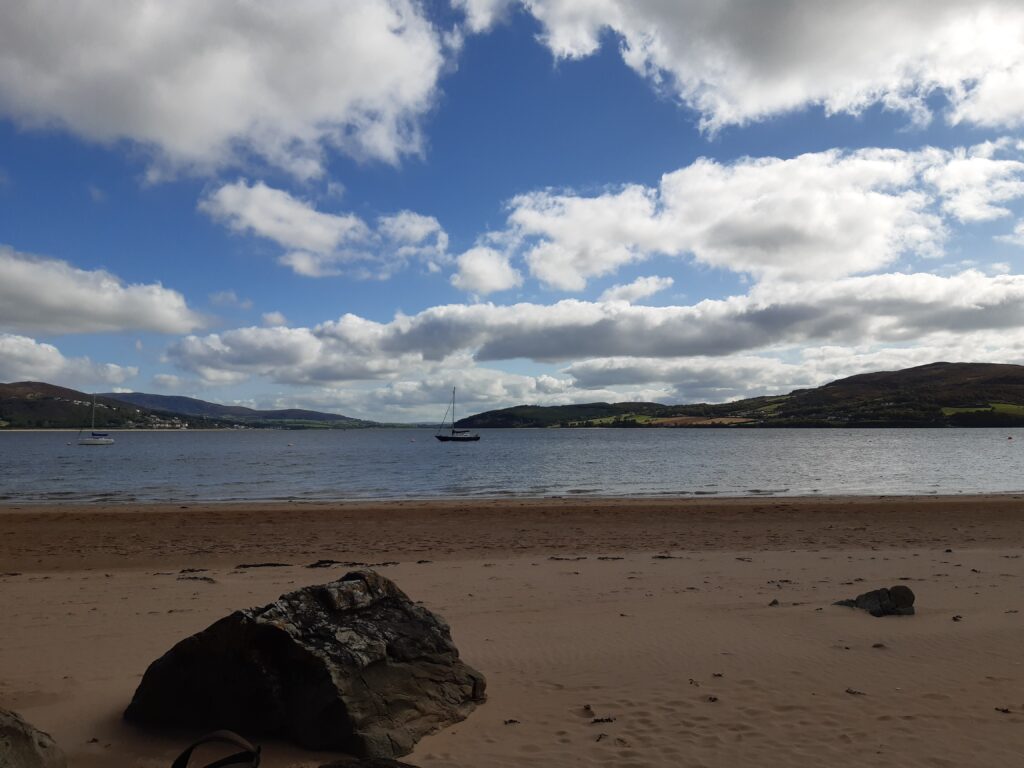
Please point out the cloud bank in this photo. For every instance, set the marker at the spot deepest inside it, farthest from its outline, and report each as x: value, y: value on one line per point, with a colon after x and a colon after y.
x: 318, y: 244
x: 739, y: 61
x: 204, y: 85
x: 23, y: 358
x: 40, y: 295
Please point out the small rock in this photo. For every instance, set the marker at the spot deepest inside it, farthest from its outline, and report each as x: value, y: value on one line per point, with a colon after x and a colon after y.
x: 603, y: 720
x: 895, y: 601
x: 712, y: 699
x: 511, y: 721
x: 855, y: 692
x: 24, y: 746
x: 958, y: 617
x: 773, y: 603
x: 1004, y: 710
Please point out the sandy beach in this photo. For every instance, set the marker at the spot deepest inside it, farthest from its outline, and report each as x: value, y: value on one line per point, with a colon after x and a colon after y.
x: 655, y: 613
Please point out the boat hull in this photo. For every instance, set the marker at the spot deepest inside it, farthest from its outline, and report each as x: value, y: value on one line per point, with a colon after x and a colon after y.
x: 458, y: 438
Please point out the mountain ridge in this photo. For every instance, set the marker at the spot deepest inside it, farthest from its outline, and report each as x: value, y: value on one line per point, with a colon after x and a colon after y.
x: 39, y: 405
x: 933, y: 395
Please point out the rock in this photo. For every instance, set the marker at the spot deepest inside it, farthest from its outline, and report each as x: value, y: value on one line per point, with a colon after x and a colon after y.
x: 352, y: 665
x: 895, y: 601
x: 23, y: 746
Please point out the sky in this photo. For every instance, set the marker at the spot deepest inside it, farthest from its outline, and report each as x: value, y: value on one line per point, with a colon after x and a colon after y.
x: 355, y: 206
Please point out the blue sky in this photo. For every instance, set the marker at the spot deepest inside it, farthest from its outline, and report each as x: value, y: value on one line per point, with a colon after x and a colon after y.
x: 355, y: 206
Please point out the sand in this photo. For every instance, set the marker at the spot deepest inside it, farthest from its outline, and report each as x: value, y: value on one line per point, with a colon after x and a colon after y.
x: 670, y: 637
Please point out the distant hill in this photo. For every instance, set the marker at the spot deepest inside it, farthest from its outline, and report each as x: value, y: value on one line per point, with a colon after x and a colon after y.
x: 37, y: 405
x: 594, y: 414
x: 190, y: 406
x: 934, y: 395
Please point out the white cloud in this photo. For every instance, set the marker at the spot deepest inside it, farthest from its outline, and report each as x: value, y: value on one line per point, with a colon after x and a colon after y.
x: 276, y: 215
x: 40, y: 295
x: 25, y: 359
x: 481, y: 14
x: 203, y: 84
x: 1016, y: 237
x: 815, y: 216
x: 879, y: 310
x: 640, y: 288
x: 322, y: 244
x: 483, y: 270
x: 973, y: 181
x: 408, y: 228
x: 274, y: 318
x: 737, y: 61
x: 230, y: 299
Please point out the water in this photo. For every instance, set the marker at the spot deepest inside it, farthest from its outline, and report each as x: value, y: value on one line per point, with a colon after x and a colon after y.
x: 409, y: 463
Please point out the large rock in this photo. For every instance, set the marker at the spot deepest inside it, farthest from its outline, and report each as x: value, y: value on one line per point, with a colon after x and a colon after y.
x: 895, y: 601
x: 23, y: 746
x: 352, y: 665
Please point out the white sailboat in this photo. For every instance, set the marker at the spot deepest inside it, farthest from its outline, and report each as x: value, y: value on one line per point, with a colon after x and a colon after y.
x: 95, y: 438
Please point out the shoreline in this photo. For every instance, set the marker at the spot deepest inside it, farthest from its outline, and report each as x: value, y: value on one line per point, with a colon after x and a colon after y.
x: 702, y: 631
x: 68, y: 536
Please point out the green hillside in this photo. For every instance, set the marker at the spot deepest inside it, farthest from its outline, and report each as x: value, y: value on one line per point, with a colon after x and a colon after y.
x: 200, y: 409
x: 934, y: 395
x: 37, y: 405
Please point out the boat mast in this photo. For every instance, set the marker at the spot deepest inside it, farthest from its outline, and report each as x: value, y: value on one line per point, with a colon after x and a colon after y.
x: 453, y: 410
x: 93, y: 427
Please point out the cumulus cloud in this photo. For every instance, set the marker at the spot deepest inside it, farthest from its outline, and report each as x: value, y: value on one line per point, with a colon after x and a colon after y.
x: 481, y: 14
x: 276, y: 215
x: 229, y: 298
x: 880, y: 310
x: 640, y: 288
x: 815, y: 216
x: 40, y: 295
x: 319, y: 244
x: 274, y: 318
x: 25, y: 359
x: 736, y: 61
x: 204, y: 84
x: 484, y: 270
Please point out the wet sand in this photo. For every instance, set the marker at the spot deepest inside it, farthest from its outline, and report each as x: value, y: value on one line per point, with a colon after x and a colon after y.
x: 655, y: 613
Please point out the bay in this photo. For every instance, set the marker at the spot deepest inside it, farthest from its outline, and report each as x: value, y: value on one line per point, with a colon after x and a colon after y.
x: 409, y: 463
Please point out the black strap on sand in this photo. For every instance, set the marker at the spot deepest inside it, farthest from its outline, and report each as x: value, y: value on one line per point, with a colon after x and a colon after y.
x: 249, y: 756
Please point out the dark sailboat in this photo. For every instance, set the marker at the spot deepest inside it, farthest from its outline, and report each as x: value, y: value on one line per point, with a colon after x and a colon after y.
x: 454, y: 435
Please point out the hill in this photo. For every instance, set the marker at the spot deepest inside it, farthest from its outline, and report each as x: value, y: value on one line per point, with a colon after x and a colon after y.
x: 934, y: 395
x: 36, y: 405
x: 201, y: 409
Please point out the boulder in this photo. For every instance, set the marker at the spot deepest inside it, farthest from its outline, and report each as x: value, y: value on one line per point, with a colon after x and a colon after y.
x: 352, y: 665
x: 895, y: 601
x: 23, y: 746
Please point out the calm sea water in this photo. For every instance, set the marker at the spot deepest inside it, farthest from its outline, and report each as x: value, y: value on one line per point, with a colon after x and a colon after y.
x: 409, y: 463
